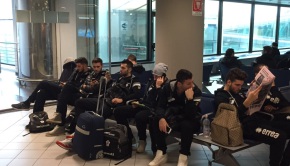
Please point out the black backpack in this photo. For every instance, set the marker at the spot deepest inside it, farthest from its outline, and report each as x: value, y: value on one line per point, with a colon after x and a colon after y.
x: 38, y: 122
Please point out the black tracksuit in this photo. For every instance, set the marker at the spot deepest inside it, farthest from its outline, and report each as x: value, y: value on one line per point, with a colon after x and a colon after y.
x: 255, y: 127
x: 131, y: 86
x: 231, y: 62
x: 47, y: 90
x: 268, y: 60
x: 71, y: 93
x: 168, y: 98
x: 141, y: 114
x: 277, y: 100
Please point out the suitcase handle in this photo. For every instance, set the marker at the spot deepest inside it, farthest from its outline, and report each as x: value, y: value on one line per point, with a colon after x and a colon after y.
x: 93, y: 113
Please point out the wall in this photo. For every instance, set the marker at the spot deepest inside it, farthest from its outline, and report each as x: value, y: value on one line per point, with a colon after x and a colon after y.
x: 66, y: 35
x: 179, y: 37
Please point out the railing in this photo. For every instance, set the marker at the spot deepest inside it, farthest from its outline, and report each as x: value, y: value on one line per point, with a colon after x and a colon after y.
x: 8, y: 52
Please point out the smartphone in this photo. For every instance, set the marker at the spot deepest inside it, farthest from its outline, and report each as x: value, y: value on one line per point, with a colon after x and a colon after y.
x: 168, y: 130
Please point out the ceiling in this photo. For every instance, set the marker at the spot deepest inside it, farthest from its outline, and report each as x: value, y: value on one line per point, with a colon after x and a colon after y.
x: 282, y: 2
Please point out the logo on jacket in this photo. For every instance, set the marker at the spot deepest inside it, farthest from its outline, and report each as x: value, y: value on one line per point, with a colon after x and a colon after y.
x: 108, y: 143
x: 266, y: 132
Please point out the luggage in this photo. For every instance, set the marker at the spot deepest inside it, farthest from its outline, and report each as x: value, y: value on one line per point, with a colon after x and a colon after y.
x: 89, y: 133
x: 116, y: 143
x: 88, y: 137
x: 38, y: 122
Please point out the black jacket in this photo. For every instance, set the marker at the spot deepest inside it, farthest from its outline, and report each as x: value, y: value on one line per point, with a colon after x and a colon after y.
x: 151, y: 95
x: 138, y: 69
x: 267, y: 59
x: 168, y: 97
x: 276, y: 99
x: 222, y: 96
x: 93, y: 76
x: 130, y: 86
x: 78, y: 78
x: 231, y: 62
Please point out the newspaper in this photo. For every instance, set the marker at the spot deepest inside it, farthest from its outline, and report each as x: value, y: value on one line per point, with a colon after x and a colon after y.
x: 265, y: 79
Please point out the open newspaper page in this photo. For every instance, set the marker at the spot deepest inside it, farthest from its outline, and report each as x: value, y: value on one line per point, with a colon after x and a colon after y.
x: 265, y: 79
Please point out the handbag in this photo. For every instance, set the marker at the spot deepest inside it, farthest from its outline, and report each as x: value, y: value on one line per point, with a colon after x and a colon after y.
x: 226, y: 128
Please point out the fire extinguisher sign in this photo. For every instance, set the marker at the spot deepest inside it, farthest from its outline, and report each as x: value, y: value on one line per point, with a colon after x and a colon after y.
x: 197, y: 7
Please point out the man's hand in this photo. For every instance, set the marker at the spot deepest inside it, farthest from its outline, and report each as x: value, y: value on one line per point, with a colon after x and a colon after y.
x: 94, y: 82
x: 252, y: 96
x: 189, y: 94
x: 163, y: 125
x: 117, y: 100
x: 270, y: 108
x: 108, y: 76
x: 159, y: 82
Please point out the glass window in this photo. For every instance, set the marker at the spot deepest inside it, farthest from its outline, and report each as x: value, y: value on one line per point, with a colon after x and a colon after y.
x: 264, y: 26
x: 128, y: 29
x: 6, y: 9
x: 284, y: 30
x: 210, y: 27
x: 236, y: 26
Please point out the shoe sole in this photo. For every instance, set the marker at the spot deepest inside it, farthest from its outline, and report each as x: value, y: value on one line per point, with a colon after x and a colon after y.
x: 21, y: 109
x: 61, y: 145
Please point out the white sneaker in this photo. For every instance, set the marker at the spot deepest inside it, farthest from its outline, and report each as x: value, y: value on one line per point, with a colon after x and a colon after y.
x: 57, y: 130
x: 141, y: 146
x: 182, y: 160
x: 65, y: 144
x: 159, y: 159
x: 56, y: 118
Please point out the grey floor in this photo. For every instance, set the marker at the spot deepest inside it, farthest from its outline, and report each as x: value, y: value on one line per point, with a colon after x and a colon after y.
x: 37, y: 149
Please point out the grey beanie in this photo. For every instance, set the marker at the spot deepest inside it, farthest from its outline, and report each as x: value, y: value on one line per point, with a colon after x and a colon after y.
x: 160, y: 69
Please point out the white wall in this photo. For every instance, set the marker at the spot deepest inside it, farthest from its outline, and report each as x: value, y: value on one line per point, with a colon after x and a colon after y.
x: 66, y: 34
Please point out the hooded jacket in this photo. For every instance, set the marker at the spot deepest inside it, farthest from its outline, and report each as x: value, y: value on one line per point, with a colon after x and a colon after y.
x: 168, y: 97
x: 222, y: 96
x: 231, y: 62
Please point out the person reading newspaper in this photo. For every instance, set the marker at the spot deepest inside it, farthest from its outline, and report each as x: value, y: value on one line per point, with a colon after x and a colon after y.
x: 275, y: 103
x: 255, y: 126
x: 264, y: 79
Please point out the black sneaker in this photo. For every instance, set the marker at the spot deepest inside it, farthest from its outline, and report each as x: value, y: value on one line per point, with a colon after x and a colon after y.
x: 21, y: 106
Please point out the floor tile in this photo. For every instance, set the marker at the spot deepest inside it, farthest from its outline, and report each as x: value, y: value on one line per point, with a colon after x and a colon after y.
x: 38, y: 145
x: 22, y: 162
x: 5, y: 161
x: 9, y: 154
x: 16, y: 145
x: 30, y: 154
x: 47, y: 162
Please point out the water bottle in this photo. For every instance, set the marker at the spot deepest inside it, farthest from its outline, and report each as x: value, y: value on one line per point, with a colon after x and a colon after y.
x: 206, y: 126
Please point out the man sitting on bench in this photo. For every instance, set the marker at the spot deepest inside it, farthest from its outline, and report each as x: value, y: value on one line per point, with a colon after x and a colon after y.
x: 178, y: 100
x: 255, y: 127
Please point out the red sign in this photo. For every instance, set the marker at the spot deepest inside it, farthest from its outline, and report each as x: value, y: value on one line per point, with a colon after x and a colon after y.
x: 197, y: 7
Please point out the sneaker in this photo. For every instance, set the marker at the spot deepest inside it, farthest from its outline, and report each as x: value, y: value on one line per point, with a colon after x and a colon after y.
x: 57, y: 130
x: 141, y: 146
x: 159, y: 159
x: 71, y: 136
x: 65, y: 144
x: 21, y: 106
x: 182, y: 160
x: 56, y: 118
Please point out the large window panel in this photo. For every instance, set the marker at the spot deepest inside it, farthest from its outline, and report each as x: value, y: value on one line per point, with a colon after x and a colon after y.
x: 236, y: 26
x: 264, y: 26
x: 210, y: 27
x: 6, y: 9
x: 128, y: 29
x: 284, y: 30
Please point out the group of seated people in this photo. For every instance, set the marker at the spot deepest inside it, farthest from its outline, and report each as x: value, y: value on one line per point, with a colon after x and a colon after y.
x: 163, y: 98
x: 270, y: 57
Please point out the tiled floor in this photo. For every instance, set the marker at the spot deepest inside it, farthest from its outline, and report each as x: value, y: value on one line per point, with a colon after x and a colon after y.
x: 37, y: 149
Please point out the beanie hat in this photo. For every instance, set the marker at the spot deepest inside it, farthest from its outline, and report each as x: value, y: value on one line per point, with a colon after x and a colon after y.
x: 160, y: 69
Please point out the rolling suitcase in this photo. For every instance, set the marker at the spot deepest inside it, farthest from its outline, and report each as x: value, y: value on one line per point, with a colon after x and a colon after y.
x: 89, y: 134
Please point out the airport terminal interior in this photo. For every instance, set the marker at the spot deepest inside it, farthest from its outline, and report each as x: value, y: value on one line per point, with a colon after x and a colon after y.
x: 38, y: 35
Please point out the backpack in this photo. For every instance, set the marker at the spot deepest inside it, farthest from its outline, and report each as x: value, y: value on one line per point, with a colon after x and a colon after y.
x: 116, y: 143
x: 226, y: 128
x: 38, y: 122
